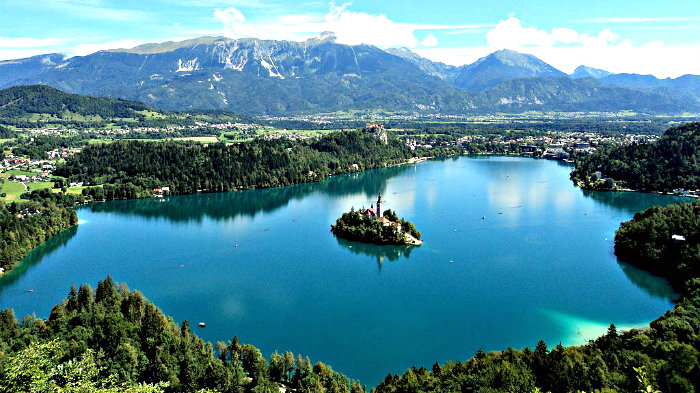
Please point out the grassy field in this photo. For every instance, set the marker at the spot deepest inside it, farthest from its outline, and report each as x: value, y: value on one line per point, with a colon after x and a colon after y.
x: 12, y: 189
x: 200, y: 139
x: 15, y: 172
x: 39, y: 185
x: 78, y: 190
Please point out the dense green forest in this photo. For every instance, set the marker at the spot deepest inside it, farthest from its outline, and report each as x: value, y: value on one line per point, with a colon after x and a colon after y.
x: 670, y: 163
x: 188, y: 168
x: 646, y: 240
x: 23, y: 226
x: 353, y: 225
x: 112, y: 339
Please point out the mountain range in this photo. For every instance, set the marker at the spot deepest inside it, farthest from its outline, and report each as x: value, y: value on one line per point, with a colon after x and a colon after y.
x: 254, y: 76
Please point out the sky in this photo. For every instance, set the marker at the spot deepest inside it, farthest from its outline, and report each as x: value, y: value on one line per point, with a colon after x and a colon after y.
x: 655, y: 37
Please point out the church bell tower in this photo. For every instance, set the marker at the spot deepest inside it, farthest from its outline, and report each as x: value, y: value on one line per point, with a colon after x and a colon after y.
x: 379, y: 206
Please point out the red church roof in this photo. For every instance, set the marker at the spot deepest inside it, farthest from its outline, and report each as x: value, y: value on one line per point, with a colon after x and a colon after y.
x: 371, y: 211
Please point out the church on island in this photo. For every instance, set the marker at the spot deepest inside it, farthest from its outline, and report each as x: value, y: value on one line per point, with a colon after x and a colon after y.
x: 378, y: 214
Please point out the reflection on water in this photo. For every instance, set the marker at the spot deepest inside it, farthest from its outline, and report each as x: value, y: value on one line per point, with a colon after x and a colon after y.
x: 633, y: 202
x: 379, y: 253
x: 654, y: 285
x: 227, y: 205
x: 38, y: 254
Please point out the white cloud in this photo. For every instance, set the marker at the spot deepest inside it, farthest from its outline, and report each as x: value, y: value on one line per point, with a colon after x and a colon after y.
x: 12, y: 54
x: 350, y: 27
x: 564, y: 35
x: 28, y: 42
x: 510, y: 33
x: 23, y: 47
x: 430, y: 40
x: 355, y: 28
x: 86, y: 49
x: 565, y: 49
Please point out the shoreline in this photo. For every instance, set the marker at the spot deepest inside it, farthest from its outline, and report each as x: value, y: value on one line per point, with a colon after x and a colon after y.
x: 412, y: 160
x: 581, y: 186
x: 417, y: 159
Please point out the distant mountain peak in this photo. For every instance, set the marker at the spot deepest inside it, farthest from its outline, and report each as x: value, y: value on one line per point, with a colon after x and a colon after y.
x: 500, y: 66
x: 590, y: 72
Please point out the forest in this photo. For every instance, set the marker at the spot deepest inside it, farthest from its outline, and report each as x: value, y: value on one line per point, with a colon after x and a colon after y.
x: 672, y: 162
x: 647, y: 241
x: 112, y: 339
x: 189, y: 167
x: 353, y: 225
x: 24, y: 226
x: 41, y: 105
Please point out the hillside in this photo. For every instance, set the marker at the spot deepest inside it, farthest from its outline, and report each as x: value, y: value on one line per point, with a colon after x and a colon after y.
x: 43, y: 103
x: 441, y: 70
x: 585, y: 95
x: 27, y: 68
x: 670, y: 163
x: 255, y: 77
x: 687, y: 83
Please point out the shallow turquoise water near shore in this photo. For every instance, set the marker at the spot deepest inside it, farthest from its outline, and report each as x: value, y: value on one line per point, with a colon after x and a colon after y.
x: 532, y: 259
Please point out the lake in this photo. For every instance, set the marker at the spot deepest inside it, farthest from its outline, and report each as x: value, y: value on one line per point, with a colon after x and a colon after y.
x: 513, y: 253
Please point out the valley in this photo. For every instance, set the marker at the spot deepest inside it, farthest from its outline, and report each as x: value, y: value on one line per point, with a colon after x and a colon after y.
x: 510, y: 187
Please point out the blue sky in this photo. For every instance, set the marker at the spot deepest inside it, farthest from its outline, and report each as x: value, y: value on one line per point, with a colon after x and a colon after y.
x: 642, y: 36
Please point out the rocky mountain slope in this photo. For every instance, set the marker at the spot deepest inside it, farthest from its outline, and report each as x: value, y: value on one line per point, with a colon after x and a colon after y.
x: 254, y: 76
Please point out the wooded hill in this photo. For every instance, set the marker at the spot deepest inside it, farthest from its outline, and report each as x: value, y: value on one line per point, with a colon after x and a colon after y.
x: 190, y: 168
x: 24, y: 226
x: 647, y: 241
x: 114, y: 340
x: 41, y: 105
x: 669, y: 163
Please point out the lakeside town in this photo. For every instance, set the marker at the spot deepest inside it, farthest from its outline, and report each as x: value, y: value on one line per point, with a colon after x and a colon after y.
x: 21, y: 173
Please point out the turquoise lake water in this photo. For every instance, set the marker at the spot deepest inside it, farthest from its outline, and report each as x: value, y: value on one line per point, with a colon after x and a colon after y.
x: 532, y: 258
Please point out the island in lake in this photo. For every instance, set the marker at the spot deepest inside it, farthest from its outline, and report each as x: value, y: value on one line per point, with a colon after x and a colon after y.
x: 376, y: 226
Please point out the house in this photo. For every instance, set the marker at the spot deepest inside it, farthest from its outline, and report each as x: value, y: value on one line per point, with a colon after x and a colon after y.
x: 677, y: 239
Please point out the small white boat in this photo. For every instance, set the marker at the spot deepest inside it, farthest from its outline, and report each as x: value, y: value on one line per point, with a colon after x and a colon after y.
x: 202, y: 324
